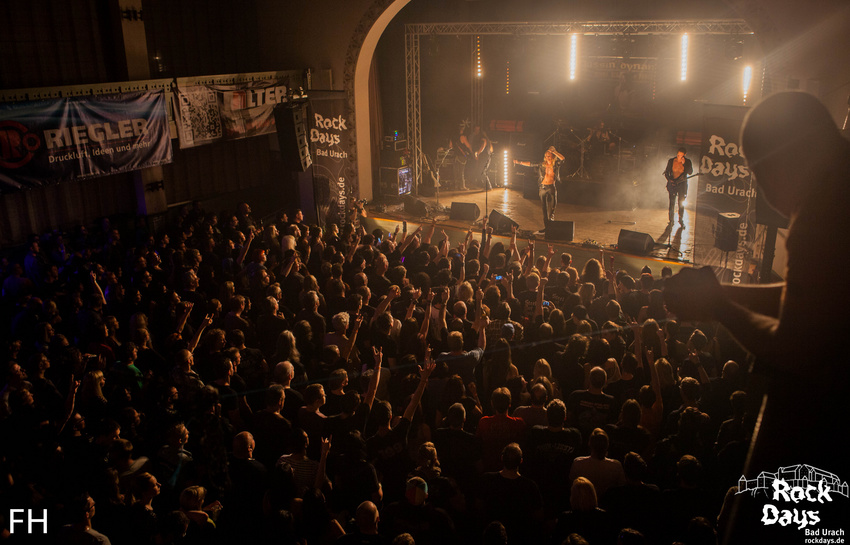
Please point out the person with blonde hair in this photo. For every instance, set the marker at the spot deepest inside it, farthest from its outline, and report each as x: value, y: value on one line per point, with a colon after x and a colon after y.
x: 91, y: 402
x: 202, y: 517
x: 584, y: 518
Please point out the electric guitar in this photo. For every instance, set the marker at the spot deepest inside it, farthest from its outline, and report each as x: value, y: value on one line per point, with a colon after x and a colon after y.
x: 461, y: 152
x: 672, y: 185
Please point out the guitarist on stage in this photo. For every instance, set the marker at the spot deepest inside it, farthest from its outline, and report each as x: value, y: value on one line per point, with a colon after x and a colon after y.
x: 462, y: 149
x: 677, y: 172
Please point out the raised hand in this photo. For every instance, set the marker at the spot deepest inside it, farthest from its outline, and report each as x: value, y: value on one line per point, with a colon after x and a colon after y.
x: 426, y: 370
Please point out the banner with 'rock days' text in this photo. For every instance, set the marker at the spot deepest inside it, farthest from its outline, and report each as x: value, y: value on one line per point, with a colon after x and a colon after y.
x: 329, y: 132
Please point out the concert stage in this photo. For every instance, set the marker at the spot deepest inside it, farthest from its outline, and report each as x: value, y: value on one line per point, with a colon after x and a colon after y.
x: 596, y: 225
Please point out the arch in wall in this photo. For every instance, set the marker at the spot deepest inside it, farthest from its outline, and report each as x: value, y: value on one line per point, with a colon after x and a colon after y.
x: 358, y: 62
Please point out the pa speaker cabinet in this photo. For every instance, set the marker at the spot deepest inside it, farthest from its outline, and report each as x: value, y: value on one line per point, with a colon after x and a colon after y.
x: 635, y: 242
x: 415, y: 207
x: 726, y: 232
x: 466, y: 211
x: 501, y: 224
x: 560, y: 230
x: 290, y: 121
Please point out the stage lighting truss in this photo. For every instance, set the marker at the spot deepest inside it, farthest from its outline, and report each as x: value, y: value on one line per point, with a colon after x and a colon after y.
x: 737, y: 27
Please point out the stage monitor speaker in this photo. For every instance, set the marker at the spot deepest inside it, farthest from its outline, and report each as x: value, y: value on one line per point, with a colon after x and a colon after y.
x: 726, y: 231
x: 466, y: 211
x: 415, y: 207
x: 560, y: 231
x: 500, y: 223
x: 635, y: 242
x: 290, y: 121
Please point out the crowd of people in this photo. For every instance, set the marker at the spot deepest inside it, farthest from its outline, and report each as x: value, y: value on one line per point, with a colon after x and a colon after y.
x: 230, y: 381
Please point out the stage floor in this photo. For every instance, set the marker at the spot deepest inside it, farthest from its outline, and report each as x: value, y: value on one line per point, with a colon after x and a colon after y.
x: 595, y: 225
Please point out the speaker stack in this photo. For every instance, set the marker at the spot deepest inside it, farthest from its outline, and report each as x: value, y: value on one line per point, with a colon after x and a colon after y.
x: 290, y: 121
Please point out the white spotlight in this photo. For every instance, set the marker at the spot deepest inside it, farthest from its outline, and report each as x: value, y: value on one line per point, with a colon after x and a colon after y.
x: 684, y: 56
x: 505, y: 157
x: 748, y: 78
x: 479, y: 71
x: 573, y: 56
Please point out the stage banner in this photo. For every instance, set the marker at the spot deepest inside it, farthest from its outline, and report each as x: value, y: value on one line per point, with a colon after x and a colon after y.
x: 726, y: 196
x: 329, y: 132
x: 207, y: 112
x: 78, y: 137
x: 632, y: 80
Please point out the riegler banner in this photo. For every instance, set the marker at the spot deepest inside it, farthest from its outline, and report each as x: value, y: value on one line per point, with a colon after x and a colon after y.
x: 206, y: 113
x: 78, y: 137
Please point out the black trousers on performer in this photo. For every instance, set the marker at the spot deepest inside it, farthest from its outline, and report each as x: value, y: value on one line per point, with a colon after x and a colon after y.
x: 481, y: 176
x: 678, y: 193
x: 548, y: 200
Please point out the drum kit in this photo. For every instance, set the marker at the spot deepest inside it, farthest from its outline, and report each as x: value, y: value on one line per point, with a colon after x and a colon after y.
x: 597, y: 154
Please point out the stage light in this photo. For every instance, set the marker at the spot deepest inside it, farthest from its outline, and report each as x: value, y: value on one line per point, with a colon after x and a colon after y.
x: 505, y: 156
x: 684, y: 56
x: 748, y: 78
x: 479, y: 71
x: 573, y: 55
x: 507, y: 77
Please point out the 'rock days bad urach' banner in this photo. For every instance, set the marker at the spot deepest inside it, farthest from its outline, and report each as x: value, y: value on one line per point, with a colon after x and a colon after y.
x: 726, y: 185
x: 330, y: 143
x: 78, y: 137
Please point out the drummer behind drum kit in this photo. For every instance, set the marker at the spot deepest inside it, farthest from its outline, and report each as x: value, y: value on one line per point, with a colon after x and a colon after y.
x: 606, y: 158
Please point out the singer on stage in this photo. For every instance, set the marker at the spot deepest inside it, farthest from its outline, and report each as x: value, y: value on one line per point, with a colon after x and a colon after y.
x: 677, y: 172
x: 549, y: 175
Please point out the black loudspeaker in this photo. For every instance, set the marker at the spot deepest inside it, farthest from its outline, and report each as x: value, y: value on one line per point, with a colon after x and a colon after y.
x: 415, y: 207
x: 466, y: 211
x: 501, y: 224
x: 635, y: 242
x: 726, y: 231
x: 290, y: 121
x: 560, y: 230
